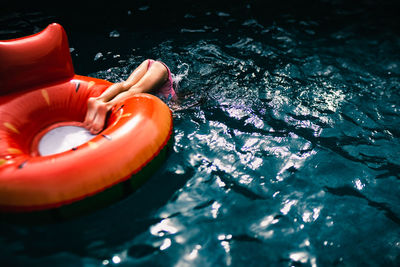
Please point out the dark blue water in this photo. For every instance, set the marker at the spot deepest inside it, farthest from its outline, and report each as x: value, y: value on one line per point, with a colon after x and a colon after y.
x: 287, y: 138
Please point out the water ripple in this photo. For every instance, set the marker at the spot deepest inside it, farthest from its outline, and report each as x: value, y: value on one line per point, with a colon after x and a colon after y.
x: 286, y: 146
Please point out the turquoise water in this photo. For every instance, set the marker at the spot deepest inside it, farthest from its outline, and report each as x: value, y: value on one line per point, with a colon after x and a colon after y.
x: 286, y: 144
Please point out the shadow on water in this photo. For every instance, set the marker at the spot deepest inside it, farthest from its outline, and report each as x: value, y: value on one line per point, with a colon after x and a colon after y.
x: 349, y: 191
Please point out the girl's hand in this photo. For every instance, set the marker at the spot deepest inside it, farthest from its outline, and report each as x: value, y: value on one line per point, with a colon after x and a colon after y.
x: 96, y: 115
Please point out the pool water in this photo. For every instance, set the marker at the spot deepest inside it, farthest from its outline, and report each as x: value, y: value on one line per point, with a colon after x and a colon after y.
x: 287, y: 139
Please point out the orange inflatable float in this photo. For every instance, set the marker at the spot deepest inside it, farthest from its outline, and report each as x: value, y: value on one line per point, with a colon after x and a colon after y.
x: 39, y: 92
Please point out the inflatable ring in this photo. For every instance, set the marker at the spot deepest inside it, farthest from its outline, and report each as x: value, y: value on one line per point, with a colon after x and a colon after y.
x: 39, y: 91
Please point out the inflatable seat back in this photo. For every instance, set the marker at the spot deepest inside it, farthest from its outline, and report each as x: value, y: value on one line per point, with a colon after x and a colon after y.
x: 39, y: 59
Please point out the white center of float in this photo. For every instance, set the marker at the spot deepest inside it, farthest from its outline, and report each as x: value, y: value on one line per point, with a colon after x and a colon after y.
x: 62, y: 139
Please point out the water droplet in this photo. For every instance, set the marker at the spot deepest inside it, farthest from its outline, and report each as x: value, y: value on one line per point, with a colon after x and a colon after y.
x: 114, y: 34
x: 98, y: 56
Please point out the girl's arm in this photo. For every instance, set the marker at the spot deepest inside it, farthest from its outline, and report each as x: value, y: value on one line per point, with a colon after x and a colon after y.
x: 142, y: 80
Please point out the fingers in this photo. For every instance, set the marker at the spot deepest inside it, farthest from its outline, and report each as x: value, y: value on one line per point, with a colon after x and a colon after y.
x: 90, y: 113
x: 100, y: 119
x: 96, y: 115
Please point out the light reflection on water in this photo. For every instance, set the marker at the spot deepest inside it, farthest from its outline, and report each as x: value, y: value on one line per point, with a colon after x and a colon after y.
x: 286, y: 152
